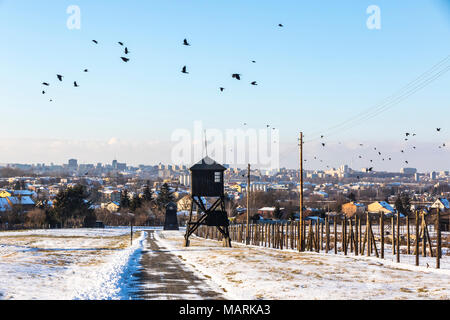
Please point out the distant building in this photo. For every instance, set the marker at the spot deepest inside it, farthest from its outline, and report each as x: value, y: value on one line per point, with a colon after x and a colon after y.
x: 121, y: 166
x: 352, y: 208
x: 185, y: 180
x: 433, y: 175
x: 112, y: 206
x: 408, y: 170
x: 268, y: 212
x: 73, y: 164
x: 381, y: 206
x: 441, y: 203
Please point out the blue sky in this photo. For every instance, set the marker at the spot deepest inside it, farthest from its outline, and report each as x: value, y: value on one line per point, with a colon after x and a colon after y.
x: 324, y: 66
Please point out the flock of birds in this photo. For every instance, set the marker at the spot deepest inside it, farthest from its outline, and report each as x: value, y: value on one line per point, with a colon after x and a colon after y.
x: 238, y: 76
x: 75, y: 83
x: 380, y: 155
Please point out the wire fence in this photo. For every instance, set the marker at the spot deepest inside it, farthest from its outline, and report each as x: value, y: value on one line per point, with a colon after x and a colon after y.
x: 412, y: 240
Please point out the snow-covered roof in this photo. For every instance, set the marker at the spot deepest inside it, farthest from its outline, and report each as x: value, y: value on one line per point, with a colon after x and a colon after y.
x: 445, y: 203
x: 21, y: 200
x: 4, y: 205
x: 386, y: 205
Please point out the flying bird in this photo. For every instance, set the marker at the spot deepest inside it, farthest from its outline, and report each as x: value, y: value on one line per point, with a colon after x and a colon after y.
x: 253, y: 61
x: 186, y: 43
x: 254, y: 83
x: 236, y: 76
x: 221, y: 89
x: 45, y: 84
x: 323, y: 144
x: 184, y: 70
x: 125, y: 59
x: 438, y: 129
x: 126, y: 50
x: 43, y: 92
x: 75, y: 84
x: 86, y: 70
x: 95, y: 41
x: 280, y: 25
x: 59, y: 77
x: 121, y: 43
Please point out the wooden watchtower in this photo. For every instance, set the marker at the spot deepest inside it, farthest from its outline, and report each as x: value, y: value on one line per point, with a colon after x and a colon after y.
x: 207, y: 183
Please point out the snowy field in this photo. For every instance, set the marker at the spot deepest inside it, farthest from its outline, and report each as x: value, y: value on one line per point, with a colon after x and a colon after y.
x: 261, y: 273
x: 99, y: 264
x: 68, y: 264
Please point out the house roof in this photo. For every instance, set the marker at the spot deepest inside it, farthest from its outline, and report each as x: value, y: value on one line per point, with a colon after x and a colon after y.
x: 207, y: 164
x: 445, y: 203
x: 4, y: 205
x: 25, y: 200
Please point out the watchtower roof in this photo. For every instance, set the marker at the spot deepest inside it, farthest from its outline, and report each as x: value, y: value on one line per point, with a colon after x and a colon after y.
x: 207, y: 164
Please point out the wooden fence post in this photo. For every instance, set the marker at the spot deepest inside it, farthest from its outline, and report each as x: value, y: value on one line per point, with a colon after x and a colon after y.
x: 438, y: 239
x: 408, y: 236
x: 393, y: 234
x: 424, y: 236
x: 382, y: 234
x: 321, y: 236
x: 335, y: 234
x: 344, y: 231
x: 356, y: 235
x: 317, y: 234
x: 368, y: 234
x: 361, y: 247
x: 327, y: 234
x: 398, y: 237
x: 417, y: 238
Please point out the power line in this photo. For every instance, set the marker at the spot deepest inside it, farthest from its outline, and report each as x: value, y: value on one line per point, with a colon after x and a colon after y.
x: 394, y: 99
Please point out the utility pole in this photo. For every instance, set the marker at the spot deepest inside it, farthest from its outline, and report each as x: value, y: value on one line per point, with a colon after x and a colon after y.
x: 247, y: 238
x: 301, y: 193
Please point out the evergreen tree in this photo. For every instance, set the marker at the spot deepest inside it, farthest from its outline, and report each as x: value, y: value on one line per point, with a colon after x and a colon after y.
x: 135, y: 203
x: 399, y: 204
x: 148, y: 194
x: 406, y: 203
x: 165, y: 196
x: 124, y: 200
x: 72, y: 203
x: 277, y: 211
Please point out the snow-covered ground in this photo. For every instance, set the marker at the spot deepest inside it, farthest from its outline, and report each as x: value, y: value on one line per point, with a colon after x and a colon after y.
x: 262, y: 273
x: 68, y: 264
x: 100, y: 264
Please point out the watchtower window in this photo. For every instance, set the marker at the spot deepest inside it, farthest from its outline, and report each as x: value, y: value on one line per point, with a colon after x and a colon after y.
x: 217, y: 177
